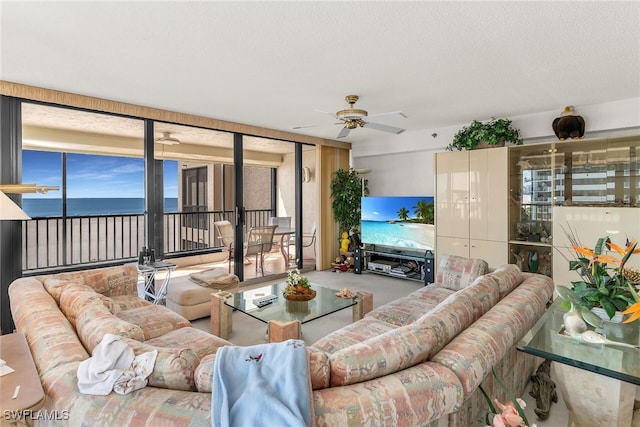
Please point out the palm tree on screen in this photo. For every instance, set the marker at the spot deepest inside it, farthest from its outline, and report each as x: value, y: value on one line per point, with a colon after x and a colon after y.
x: 424, y: 211
x: 403, y: 214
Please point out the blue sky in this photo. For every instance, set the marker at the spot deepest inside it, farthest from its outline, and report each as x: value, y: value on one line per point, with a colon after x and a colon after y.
x: 90, y: 176
x: 386, y: 208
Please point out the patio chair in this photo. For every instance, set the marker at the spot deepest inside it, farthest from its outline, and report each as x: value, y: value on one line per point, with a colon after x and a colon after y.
x: 309, y: 239
x: 224, y: 229
x: 259, y: 241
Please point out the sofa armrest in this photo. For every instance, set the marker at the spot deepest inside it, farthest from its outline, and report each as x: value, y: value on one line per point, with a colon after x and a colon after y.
x: 51, y: 337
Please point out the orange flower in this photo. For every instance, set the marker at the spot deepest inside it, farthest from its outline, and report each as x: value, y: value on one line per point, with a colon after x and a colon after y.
x: 593, y: 258
x: 634, y: 310
x: 630, y: 247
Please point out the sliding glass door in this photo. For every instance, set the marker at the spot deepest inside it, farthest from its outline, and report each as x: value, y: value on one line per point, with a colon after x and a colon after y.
x: 195, y: 184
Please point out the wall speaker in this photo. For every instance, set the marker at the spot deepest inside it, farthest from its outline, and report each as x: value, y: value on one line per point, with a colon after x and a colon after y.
x: 357, y: 261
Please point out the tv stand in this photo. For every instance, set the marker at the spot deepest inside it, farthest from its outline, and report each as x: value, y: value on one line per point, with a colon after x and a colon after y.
x: 406, y: 264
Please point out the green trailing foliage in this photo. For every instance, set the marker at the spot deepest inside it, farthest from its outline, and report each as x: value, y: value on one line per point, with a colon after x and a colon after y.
x: 493, y: 132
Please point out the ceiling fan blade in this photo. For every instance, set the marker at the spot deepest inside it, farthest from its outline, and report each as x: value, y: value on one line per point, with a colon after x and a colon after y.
x: 344, y: 132
x: 331, y: 114
x: 317, y: 126
x: 385, y: 128
x: 390, y: 115
x: 304, y: 127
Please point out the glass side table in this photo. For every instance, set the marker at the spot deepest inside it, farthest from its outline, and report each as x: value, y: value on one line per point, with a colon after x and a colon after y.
x: 149, y: 271
x: 598, y: 382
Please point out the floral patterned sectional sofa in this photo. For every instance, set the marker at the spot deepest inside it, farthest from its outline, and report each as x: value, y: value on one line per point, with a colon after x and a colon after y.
x: 416, y: 361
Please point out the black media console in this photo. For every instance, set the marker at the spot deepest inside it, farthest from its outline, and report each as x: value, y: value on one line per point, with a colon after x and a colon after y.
x: 410, y: 264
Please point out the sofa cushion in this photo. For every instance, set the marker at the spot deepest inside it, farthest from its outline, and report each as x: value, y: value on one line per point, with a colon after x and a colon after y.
x: 392, y: 351
x: 415, y: 396
x: 76, y: 297
x: 402, y: 311
x: 200, y: 342
x: 405, y: 310
x: 55, y: 286
x: 483, y: 292
x: 352, y: 334
x: 448, y: 319
x: 126, y: 302
x: 109, y: 281
x: 154, y: 320
x: 456, y: 272
x: 95, y: 321
x: 433, y: 293
x: 203, y: 374
x: 174, y: 368
x: 508, y: 277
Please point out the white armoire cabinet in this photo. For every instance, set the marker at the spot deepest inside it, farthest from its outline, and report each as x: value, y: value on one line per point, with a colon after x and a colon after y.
x: 472, y: 204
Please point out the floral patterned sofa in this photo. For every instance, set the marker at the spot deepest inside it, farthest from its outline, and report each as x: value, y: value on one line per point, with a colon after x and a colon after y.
x: 65, y: 316
x: 419, y: 360
x: 412, y: 362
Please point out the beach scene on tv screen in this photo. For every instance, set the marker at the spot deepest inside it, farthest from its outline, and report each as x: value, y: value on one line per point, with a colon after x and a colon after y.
x: 397, y: 222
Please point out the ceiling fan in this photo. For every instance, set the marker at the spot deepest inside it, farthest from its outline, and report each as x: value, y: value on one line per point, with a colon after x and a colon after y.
x: 167, y: 139
x: 352, y: 118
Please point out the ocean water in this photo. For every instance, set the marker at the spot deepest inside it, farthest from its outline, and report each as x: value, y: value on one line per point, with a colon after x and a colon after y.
x: 43, y: 207
x: 398, y: 234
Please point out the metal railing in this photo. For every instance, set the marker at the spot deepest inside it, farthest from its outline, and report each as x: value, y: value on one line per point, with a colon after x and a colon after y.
x: 59, y: 243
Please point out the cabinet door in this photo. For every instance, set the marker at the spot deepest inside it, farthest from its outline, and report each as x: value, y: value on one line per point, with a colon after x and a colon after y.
x: 452, y: 194
x: 452, y: 246
x: 495, y: 253
x: 488, y: 194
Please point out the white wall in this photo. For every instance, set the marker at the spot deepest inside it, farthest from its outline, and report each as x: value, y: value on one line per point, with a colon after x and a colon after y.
x: 403, y: 165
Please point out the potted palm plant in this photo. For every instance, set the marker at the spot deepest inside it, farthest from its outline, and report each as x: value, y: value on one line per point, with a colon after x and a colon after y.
x: 347, y: 188
x: 495, y: 132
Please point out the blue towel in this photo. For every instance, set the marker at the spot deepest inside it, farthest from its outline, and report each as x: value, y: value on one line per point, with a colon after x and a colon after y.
x: 265, y: 384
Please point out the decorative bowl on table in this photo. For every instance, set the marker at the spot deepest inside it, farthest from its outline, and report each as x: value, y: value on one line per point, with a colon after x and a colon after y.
x: 294, y: 296
x: 298, y: 287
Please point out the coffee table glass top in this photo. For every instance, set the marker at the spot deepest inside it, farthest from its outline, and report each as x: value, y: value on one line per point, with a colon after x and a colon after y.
x: 325, y: 302
x: 612, y: 361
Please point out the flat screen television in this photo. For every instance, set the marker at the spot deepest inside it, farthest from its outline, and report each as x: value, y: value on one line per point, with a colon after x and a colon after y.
x: 394, y: 221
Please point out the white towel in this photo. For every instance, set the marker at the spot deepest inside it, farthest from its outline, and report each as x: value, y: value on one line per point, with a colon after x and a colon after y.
x: 136, y: 378
x: 264, y: 384
x: 111, y: 359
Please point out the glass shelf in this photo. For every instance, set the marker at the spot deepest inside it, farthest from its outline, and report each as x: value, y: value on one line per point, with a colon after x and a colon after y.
x: 603, y: 172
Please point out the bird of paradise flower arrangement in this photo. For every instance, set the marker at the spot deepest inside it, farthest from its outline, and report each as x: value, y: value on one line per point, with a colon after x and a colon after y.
x: 606, y: 280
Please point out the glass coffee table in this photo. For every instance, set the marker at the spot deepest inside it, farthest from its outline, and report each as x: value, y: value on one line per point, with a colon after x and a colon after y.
x: 283, y: 317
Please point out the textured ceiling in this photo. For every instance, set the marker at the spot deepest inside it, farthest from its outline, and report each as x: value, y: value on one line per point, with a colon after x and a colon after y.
x: 275, y: 64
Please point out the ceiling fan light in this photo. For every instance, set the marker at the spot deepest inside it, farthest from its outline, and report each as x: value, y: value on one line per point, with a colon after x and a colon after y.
x: 351, y: 113
x: 167, y: 139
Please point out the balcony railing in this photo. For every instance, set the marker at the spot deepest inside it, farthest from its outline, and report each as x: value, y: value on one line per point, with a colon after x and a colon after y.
x: 59, y: 243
